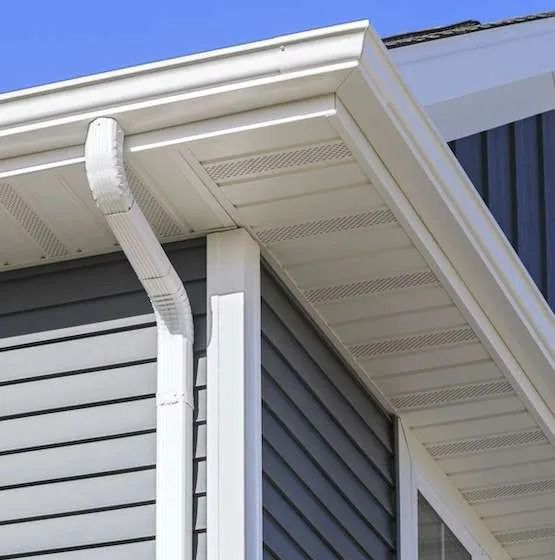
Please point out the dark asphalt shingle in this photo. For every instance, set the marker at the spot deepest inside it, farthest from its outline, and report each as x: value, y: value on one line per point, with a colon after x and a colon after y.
x: 461, y: 28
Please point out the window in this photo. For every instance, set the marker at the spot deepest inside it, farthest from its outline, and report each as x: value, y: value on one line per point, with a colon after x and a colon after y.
x: 435, y: 540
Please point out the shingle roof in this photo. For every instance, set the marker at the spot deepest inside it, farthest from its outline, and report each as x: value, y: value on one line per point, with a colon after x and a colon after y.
x: 461, y: 28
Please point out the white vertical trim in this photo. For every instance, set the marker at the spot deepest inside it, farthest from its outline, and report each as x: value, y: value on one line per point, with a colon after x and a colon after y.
x: 234, y: 430
x: 407, y: 498
x: 418, y: 472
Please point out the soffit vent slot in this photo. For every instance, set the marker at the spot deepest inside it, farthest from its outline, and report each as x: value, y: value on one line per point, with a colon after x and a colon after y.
x: 476, y: 495
x: 450, y: 395
x: 33, y: 225
x: 373, y: 286
x: 414, y: 343
x: 512, y: 537
x: 376, y: 217
x: 162, y: 223
x: 239, y: 169
x: 488, y: 443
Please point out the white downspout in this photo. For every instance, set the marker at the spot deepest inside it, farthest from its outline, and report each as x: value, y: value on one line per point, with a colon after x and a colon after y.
x: 174, y: 399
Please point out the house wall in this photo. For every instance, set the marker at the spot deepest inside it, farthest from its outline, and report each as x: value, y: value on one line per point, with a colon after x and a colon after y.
x: 513, y: 169
x: 328, y: 450
x: 77, y: 408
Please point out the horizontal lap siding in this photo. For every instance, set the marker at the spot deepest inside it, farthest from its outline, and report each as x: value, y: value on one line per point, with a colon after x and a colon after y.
x: 513, y: 169
x: 78, y: 415
x: 328, y: 459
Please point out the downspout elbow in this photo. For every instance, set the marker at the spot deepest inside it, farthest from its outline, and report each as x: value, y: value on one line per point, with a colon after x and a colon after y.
x: 107, y: 179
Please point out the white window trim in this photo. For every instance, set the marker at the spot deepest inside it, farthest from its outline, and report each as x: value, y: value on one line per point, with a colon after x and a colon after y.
x: 418, y: 472
x: 234, y: 401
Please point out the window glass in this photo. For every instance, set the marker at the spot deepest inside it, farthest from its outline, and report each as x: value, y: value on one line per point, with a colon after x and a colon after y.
x: 435, y: 539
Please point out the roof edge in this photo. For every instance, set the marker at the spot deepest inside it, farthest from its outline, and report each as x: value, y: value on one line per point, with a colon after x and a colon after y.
x: 64, y: 110
x: 433, y: 197
x: 456, y: 30
x: 186, y: 60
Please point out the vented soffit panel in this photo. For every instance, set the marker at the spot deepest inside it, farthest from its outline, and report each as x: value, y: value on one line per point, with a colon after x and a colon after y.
x: 30, y: 222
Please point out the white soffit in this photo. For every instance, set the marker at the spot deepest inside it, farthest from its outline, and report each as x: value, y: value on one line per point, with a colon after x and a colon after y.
x: 362, y: 209
x: 476, y: 81
x: 335, y: 226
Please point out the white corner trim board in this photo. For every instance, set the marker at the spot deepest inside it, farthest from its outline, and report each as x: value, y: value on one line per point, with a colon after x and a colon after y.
x: 234, y: 401
x: 174, y: 443
x: 419, y: 473
x: 407, y: 497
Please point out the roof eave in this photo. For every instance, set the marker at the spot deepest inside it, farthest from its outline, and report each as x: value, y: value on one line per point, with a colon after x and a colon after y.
x: 452, y: 76
x: 174, y: 92
x: 435, y: 200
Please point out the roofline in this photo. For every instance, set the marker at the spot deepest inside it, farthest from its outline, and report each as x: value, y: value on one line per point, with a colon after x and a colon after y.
x: 453, y: 79
x: 456, y: 29
x: 472, y: 99
x: 391, y: 42
x: 183, y: 90
x: 187, y: 60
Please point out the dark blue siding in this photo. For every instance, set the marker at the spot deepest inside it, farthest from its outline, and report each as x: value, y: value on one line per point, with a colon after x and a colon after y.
x: 529, y: 197
x: 549, y: 200
x: 513, y: 169
x: 328, y: 450
x: 501, y: 199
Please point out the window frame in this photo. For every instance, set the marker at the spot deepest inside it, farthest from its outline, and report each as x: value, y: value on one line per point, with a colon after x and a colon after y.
x: 418, y: 473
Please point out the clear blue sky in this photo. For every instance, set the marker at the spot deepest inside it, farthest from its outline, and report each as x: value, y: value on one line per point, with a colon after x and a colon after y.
x: 44, y: 41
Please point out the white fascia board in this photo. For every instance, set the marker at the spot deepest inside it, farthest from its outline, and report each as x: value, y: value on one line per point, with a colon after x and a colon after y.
x: 481, y: 80
x: 414, y: 170
x: 234, y: 405
x: 420, y: 473
x: 487, y: 109
x: 182, y: 90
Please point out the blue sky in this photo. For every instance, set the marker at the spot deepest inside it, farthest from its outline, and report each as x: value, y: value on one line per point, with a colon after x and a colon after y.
x: 49, y: 40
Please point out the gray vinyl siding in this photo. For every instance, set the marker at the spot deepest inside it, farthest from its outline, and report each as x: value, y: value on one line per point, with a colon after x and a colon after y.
x: 513, y: 169
x: 328, y: 449
x: 82, y: 292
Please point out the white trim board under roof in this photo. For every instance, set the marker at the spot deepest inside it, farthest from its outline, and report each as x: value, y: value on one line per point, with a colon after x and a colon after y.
x: 315, y: 145
x: 476, y: 81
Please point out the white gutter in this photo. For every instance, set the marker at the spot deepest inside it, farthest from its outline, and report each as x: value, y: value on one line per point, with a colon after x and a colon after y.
x: 182, y: 90
x: 174, y: 401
